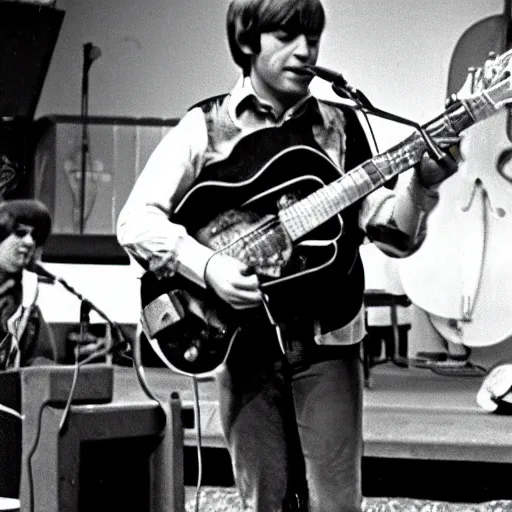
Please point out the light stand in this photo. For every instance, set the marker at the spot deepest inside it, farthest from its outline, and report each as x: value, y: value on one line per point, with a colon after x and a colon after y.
x: 91, y: 53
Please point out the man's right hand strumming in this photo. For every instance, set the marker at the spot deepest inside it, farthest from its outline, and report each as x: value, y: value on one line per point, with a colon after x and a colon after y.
x: 232, y: 281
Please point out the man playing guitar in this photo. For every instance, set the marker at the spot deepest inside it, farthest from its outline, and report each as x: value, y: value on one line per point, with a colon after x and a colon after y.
x: 298, y: 398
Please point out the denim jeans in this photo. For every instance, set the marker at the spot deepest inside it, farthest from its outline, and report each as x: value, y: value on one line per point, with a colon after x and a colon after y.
x: 286, y: 418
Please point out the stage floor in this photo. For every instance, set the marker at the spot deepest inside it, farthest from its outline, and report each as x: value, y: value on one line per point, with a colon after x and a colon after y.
x: 409, y: 413
x: 215, y: 499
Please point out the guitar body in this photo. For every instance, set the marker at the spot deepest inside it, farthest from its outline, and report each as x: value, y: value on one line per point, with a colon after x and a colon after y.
x: 188, y: 327
x: 191, y: 329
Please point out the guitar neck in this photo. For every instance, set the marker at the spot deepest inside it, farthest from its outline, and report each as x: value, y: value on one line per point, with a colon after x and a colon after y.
x: 305, y: 215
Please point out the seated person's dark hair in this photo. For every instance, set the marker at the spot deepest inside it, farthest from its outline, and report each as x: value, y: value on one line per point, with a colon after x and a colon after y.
x: 25, y: 211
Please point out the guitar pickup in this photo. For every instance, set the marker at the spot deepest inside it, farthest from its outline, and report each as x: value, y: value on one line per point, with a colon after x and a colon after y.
x: 161, y: 313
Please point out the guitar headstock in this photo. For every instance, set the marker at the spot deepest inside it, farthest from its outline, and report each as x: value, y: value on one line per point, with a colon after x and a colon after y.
x: 496, y: 69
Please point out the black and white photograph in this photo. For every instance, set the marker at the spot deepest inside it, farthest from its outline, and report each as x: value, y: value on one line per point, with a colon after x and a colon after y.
x: 255, y: 256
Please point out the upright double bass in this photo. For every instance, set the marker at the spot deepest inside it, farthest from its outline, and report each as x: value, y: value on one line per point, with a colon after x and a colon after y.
x: 462, y: 275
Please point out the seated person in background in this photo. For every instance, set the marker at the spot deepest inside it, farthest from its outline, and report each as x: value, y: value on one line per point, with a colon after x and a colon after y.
x: 24, y: 335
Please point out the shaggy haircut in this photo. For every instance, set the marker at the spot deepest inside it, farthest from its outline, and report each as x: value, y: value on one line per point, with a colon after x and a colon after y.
x: 248, y: 19
x: 25, y: 211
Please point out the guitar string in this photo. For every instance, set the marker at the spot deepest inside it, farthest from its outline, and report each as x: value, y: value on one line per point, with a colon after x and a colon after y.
x: 328, y: 201
x: 353, y: 185
x: 402, y: 157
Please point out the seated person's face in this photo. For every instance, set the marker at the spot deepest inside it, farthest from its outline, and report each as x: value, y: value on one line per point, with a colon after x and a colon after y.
x: 17, y: 250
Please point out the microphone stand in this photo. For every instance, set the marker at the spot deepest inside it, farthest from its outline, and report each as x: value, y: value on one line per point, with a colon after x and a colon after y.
x: 443, y: 159
x: 342, y: 89
x: 86, y: 307
x: 91, y: 53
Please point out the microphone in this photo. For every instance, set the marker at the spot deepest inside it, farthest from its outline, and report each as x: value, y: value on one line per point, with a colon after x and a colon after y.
x: 340, y: 85
x: 93, y: 52
x: 331, y: 76
x: 42, y: 272
x: 85, y: 308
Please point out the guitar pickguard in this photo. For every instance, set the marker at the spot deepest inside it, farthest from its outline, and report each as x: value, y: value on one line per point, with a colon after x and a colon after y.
x: 262, y: 244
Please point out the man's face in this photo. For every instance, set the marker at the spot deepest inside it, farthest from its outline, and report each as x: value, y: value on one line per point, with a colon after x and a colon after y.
x: 17, y: 250
x: 278, y: 73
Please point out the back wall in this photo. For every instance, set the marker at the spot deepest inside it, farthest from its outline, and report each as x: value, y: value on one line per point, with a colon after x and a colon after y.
x: 161, y: 56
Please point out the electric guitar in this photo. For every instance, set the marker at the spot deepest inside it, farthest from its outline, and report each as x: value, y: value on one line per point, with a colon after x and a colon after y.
x: 284, y: 208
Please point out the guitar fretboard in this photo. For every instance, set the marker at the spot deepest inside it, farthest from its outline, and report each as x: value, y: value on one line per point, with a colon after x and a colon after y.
x: 307, y: 214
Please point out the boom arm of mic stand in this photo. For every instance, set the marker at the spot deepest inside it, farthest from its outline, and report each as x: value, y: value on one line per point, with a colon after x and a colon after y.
x: 135, y: 344
x: 364, y: 104
x: 93, y: 307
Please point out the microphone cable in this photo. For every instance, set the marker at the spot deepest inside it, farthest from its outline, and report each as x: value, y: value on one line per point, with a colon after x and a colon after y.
x: 370, y: 129
x: 10, y: 411
x: 84, y: 320
x: 100, y: 354
x: 139, y: 368
x: 197, y: 415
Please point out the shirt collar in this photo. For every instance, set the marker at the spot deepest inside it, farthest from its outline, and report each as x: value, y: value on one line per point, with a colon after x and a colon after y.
x: 243, y: 97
